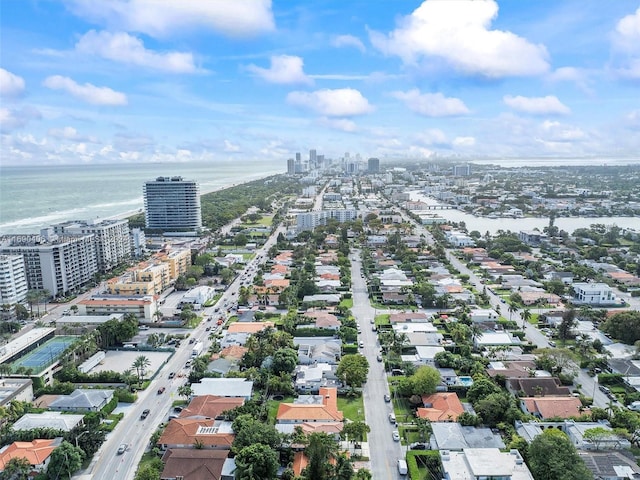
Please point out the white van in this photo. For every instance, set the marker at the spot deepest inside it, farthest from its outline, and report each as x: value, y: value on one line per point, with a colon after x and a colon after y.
x: 402, y: 467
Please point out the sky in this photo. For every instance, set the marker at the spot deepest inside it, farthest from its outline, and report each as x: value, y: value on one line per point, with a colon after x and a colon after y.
x: 129, y: 81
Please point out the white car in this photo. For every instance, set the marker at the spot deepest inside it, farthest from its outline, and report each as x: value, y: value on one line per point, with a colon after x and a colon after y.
x: 396, y: 436
x: 122, y: 448
x: 635, y: 406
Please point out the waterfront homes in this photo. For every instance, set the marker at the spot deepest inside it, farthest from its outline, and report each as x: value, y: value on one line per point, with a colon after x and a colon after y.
x: 593, y: 294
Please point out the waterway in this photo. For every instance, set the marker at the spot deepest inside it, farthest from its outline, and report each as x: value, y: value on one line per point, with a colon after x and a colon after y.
x: 493, y: 225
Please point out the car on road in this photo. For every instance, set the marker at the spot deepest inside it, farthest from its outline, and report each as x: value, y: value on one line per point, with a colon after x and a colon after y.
x: 379, y: 358
x: 387, y: 398
x: 145, y: 413
x: 604, y: 389
x: 396, y: 435
x: 392, y: 417
x: 161, y: 390
x: 172, y: 374
x: 552, y: 343
x: 361, y: 344
x: 122, y: 448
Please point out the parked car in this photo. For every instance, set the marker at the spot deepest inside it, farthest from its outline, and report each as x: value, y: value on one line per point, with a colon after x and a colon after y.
x: 396, y: 435
x: 361, y: 344
x: 387, y: 398
x: 177, y: 408
x: 635, y: 406
x: 392, y: 417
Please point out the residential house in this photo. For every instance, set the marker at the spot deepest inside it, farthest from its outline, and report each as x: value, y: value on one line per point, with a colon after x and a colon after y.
x: 322, y: 319
x: 611, y: 465
x: 37, y: 452
x: 223, y: 387
x: 188, y: 432
x: 52, y: 420
x: 425, y: 355
x: 82, y: 400
x: 575, y: 431
x: 552, y: 407
x: 310, y: 379
x: 495, y: 339
x: 453, y: 436
x: 210, y: 406
x: 484, y: 463
x: 249, y: 327
x: 483, y: 315
x: 20, y: 389
x: 593, y: 294
x: 440, y: 407
x: 312, y: 413
x: 194, y: 464
x: 408, y: 317
x: 537, y: 387
x: 513, y: 369
x: 313, y: 350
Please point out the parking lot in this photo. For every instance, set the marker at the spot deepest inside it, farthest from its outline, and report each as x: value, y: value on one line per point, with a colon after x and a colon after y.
x: 119, y: 361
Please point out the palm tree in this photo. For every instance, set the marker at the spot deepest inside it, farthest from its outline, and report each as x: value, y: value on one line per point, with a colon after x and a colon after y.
x: 185, y: 391
x: 526, y: 316
x: 140, y: 365
x: 512, y: 309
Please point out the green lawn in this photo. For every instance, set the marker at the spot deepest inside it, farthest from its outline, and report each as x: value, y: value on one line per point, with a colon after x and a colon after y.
x: 272, y: 407
x: 347, y: 303
x: 383, y: 319
x: 352, y: 408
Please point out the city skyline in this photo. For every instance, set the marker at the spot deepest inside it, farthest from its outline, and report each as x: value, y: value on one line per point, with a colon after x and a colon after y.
x: 122, y: 81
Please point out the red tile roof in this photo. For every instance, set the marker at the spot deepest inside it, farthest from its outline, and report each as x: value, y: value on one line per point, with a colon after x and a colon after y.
x: 445, y: 407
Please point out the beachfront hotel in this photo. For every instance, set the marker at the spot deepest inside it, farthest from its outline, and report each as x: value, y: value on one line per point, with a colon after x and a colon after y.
x: 172, y: 204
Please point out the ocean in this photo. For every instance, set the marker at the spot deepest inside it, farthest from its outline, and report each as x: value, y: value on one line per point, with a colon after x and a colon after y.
x: 35, y: 197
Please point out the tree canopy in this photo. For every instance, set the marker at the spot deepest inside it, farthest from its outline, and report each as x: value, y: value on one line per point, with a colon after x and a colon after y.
x: 353, y: 369
x: 624, y: 326
x: 552, y: 456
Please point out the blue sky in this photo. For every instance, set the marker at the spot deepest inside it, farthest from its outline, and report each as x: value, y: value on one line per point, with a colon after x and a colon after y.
x: 108, y: 81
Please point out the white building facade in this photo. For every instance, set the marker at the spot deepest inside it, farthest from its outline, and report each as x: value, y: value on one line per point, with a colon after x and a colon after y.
x: 593, y: 294
x: 13, y: 279
x: 172, y: 203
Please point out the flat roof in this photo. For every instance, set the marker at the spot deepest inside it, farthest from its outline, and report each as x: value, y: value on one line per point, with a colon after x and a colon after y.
x: 23, y: 341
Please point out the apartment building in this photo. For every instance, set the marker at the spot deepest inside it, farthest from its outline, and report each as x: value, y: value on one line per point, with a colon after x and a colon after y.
x: 310, y: 220
x: 112, y: 237
x: 58, y: 264
x: 13, y: 279
x: 172, y: 203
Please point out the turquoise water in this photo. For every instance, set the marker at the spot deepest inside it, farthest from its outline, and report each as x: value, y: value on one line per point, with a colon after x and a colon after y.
x: 35, y: 197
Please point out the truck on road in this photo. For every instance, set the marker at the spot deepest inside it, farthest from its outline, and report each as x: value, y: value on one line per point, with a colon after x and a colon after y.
x: 197, y: 349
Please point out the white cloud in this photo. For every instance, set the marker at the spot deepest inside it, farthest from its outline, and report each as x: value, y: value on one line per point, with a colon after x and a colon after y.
x: 433, y: 136
x: 558, y: 132
x: 88, y: 93
x: 626, y: 45
x: 464, y: 142
x: 231, y: 147
x: 459, y: 34
x: 341, y: 102
x: 70, y: 133
x: 285, y: 69
x: 342, y: 124
x: 348, y: 41
x: 549, y: 105
x: 431, y: 104
x: 578, y: 76
x: 11, y: 85
x: 11, y: 119
x: 124, y: 48
x: 236, y: 18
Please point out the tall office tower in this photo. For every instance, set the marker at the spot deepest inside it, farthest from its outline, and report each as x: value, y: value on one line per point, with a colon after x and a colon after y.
x: 13, y: 279
x: 298, y: 157
x: 57, y: 264
x: 291, y: 166
x: 374, y: 165
x: 313, y: 161
x: 462, y: 170
x: 113, y: 241
x: 320, y: 161
x: 172, y: 203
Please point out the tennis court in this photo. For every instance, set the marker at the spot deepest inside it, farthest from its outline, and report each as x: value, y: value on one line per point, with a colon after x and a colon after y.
x: 45, y: 354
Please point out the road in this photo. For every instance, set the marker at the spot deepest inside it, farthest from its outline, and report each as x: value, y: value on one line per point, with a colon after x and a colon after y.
x: 133, y: 431
x: 383, y: 451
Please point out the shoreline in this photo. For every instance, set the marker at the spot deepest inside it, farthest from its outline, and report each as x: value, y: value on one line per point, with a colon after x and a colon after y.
x: 131, y: 213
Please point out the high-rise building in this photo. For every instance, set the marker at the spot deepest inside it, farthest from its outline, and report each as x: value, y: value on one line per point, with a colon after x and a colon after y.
x: 172, y: 203
x: 58, y: 264
x: 373, y: 165
x: 113, y: 241
x: 291, y: 166
x: 312, y: 159
x: 13, y: 279
x: 462, y: 170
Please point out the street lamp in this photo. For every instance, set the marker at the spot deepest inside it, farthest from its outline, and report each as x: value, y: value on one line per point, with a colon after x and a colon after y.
x: 86, y: 431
